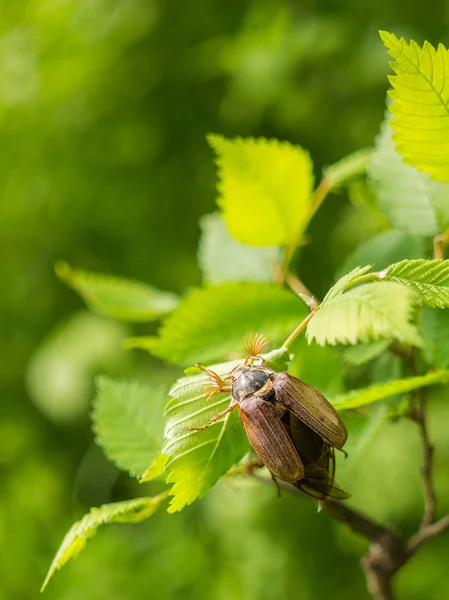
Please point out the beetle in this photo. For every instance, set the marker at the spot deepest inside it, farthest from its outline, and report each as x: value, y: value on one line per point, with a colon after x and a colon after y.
x: 290, y: 425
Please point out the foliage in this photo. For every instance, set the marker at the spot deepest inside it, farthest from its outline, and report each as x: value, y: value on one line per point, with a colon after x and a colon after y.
x: 249, y: 255
x: 420, y: 104
x: 367, y: 313
x: 211, y: 322
x: 130, y: 511
x: 127, y: 422
x: 118, y: 298
x: 265, y: 189
x: 428, y: 279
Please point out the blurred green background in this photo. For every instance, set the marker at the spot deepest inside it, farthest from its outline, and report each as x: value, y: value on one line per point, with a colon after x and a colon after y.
x: 104, y: 108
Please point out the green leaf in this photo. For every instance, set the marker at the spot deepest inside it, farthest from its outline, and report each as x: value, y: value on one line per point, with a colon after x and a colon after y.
x: 420, y: 104
x: 366, y: 313
x: 374, y: 393
x: 384, y: 249
x: 130, y: 511
x: 349, y: 167
x: 222, y: 259
x: 128, y: 422
x: 118, y: 298
x: 344, y: 283
x: 404, y: 195
x: 429, y: 279
x: 363, y: 428
x: 363, y: 353
x: 435, y: 332
x: 197, y: 459
x: 265, y: 189
x: 210, y: 323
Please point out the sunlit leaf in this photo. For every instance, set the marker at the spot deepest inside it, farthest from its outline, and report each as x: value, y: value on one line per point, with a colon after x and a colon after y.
x: 366, y: 313
x: 374, y: 393
x: 198, y: 458
x: 116, y: 297
x: 429, y: 279
x: 404, y: 195
x: 130, y: 511
x: 223, y: 259
x: 420, y: 104
x: 210, y: 323
x: 265, y: 189
x: 128, y: 422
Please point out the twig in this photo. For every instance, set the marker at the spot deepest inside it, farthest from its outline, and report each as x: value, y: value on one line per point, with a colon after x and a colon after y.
x: 427, y: 533
x: 388, y: 551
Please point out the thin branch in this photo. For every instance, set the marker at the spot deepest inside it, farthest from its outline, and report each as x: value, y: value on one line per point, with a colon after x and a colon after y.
x: 427, y: 533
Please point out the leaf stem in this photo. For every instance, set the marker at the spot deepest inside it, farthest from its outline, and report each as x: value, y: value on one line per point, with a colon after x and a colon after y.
x: 292, y: 337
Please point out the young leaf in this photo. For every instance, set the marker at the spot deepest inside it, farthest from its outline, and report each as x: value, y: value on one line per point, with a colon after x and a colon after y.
x: 420, y: 104
x: 130, y: 511
x: 374, y: 393
x: 404, y: 195
x: 366, y: 313
x: 210, y: 323
x: 156, y: 468
x: 128, y: 422
x: 265, y: 189
x: 116, y: 297
x: 429, y: 279
x: 242, y: 262
x: 198, y: 458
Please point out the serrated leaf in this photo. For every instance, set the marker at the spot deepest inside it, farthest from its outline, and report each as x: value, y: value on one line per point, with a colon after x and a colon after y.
x: 222, y: 259
x: 384, y: 249
x: 429, y: 279
x: 118, y: 298
x: 344, y: 282
x: 435, y: 332
x: 374, y: 393
x: 366, y: 313
x: 348, y: 167
x: 210, y: 323
x: 130, y: 511
x: 197, y: 459
x: 128, y: 422
x: 363, y: 353
x: 265, y: 189
x: 420, y: 104
x: 404, y: 195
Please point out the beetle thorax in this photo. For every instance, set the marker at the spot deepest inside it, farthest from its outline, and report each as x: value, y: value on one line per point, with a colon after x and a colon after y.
x: 252, y: 380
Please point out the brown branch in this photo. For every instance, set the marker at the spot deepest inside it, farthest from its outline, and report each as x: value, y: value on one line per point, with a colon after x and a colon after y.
x: 388, y: 551
x: 426, y: 533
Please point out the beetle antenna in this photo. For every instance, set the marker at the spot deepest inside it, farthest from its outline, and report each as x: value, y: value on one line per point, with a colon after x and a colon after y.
x: 253, y: 344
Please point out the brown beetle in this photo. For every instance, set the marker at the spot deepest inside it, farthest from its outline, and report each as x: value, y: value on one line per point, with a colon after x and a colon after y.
x: 290, y: 425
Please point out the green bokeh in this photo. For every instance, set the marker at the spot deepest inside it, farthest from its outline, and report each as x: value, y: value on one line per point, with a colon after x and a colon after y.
x: 104, y: 108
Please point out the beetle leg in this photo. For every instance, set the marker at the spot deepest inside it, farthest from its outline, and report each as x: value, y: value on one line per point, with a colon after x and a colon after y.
x: 215, y: 384
x: 215, y: 418
x: 343, y: 452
